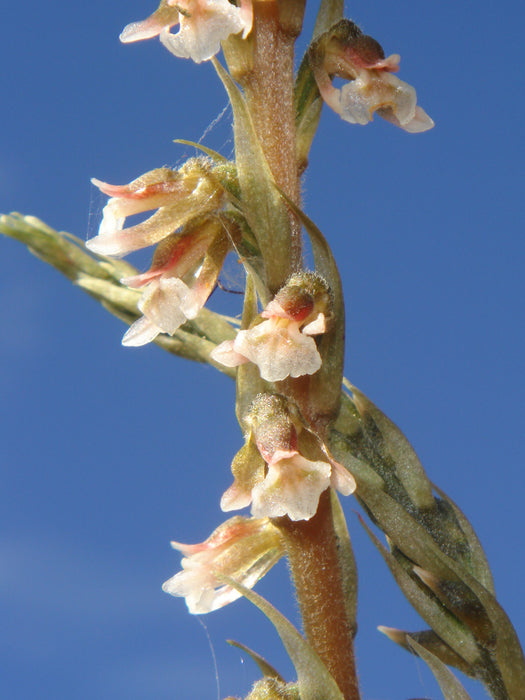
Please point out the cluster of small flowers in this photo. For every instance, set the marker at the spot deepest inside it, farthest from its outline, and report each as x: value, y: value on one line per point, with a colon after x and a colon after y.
x: 343, y: 51
x: 283, y: 467
x: 282, y: 470
x: 192, y: 242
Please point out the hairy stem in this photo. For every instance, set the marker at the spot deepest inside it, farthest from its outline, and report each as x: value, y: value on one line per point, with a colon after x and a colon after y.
x: 312, y: 551
x: 269, y: 90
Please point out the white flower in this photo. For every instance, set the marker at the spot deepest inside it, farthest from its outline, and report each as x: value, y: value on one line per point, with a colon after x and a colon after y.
x: 282, y: 345
x: 277, y: 346
x: 166, y: 304
x: 291, y: 487
x: 203, y: 24
x: 177, y: 195
x: 298, y: 468
x: 243, y: 549
x: 347, y: 53
x: 182, y: 276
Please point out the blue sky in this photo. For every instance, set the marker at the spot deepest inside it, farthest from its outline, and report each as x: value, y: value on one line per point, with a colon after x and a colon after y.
x: 108, y: 453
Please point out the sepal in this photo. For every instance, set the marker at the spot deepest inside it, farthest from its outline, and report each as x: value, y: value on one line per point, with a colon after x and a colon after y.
x: 449, y: 684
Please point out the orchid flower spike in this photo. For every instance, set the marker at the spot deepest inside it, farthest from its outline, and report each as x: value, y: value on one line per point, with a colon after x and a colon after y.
x: 345, y: 52
x: 281, y: 343
x: 243, y: 549
x: 203, y: 24
x: 283, y: 468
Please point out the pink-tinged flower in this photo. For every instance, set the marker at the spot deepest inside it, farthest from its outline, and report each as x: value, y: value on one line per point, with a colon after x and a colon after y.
x: 203, y: 25
x: 178, y: 196
x: 282, y: 345
x: 291, y: 487
x: 347, y: 53
x: 299, y: 468
x: 243, y: 549
x: 168, y: 301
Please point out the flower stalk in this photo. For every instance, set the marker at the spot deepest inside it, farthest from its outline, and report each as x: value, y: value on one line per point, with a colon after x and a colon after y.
x: 268, y: 87
x: 312, y: 550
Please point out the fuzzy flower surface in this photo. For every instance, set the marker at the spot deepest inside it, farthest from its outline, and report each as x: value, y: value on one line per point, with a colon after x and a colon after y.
x: 347, y: 53
x: 282, y: 469
x: 243, y: 549
x: 203, y: 24
x: 281, y: 345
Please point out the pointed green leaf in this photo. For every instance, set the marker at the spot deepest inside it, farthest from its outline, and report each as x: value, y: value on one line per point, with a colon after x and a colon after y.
x: 453, y: 632
x: 265, y: 668
x: 478, y: 560
x: 449, y: 684
x: 419, y: 546
x: 214, y: 155
x: 315, y: 683
x: 432, y: 642
x: 408, y: 467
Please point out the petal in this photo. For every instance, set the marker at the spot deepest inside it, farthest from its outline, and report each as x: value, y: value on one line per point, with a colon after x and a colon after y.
x: 419, y: 123
x: 274, y: 309
x: 315, y: 327
x: 168, y: 303
x: 292, y: 487
x: 146, y: 29
x: 199, y: 591
x: 141, y: 332
x: 356, y: 102
x: 225, y: 355
x: 234, y: 498
x: 279, y: 351
x: 164, y: 16
x: 342, y: 480
x: 201, y: 33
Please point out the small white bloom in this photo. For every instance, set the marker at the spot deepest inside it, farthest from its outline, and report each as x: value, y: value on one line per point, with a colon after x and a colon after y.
x: 203, y: 24
x: 291, y: 487
x: 167, y: 303
x: 243, y: 549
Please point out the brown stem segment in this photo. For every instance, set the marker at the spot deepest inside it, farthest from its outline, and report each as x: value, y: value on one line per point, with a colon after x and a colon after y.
x: 312, y: 552
x: 269, y: 90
